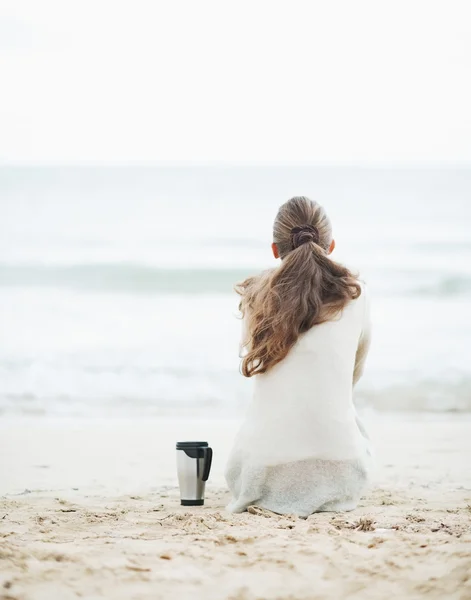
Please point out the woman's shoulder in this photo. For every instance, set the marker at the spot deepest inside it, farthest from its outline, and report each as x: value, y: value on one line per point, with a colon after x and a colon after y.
x: 360, y: 304
x: 252, y: 287
x: 365, y: 291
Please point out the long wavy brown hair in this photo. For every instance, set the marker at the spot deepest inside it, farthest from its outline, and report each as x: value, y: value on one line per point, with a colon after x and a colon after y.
x: 307, y: 288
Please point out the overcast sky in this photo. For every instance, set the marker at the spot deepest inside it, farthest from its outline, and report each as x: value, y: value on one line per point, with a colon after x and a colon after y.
x: 235, y: 81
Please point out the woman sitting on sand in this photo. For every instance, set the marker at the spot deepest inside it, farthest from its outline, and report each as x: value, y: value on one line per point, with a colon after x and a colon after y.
x: 302, y: 448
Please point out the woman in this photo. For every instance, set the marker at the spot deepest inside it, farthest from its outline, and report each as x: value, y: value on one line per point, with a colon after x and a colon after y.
x: 302, y: 448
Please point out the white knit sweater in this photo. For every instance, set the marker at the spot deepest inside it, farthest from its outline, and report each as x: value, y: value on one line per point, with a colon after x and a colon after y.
x: 302, y: 447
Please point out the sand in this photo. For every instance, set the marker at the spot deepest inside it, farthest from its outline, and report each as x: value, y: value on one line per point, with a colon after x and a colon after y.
x: 90, y: 509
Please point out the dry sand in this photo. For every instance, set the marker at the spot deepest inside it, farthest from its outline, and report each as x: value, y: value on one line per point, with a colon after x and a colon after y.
x: 90, y: 509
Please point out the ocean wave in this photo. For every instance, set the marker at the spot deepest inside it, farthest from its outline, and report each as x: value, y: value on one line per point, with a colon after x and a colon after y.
x: 224, y: 395
x: 445, y: 286
x: 429, y: 395
x: 123, y: 278
x: 139, y: 278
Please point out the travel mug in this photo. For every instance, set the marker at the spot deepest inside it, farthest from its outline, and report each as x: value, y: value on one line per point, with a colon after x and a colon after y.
x: 193, y: 466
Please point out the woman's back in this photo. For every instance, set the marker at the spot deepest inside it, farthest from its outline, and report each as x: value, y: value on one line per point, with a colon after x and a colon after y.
x: 310, y: 391
x: 302, y: 424
x: 302, y: 448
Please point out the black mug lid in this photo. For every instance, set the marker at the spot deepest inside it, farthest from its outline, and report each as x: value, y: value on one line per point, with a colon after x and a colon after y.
x: 185, y: 445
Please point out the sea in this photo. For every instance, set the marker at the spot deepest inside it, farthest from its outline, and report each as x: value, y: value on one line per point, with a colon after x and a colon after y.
x: 116, y: 283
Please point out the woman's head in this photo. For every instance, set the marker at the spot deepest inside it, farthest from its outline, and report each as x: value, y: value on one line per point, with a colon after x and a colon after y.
x: 299, y: 221
x: 307, y: 289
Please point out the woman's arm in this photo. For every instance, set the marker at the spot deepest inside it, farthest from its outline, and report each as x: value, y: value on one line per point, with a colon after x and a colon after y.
x: 362, y: 353
x: 364, y: 341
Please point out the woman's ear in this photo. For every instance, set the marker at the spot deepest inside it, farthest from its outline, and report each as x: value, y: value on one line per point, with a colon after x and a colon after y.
x: 274, y: 249
x: 332, y: 246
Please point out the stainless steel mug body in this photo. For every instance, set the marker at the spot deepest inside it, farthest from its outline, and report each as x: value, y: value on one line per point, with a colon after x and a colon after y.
x: 193, y: 467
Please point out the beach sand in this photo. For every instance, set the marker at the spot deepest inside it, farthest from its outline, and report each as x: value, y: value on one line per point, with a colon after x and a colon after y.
x: 90, y: 509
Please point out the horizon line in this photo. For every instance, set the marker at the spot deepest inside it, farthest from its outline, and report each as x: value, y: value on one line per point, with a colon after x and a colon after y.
x: 239, y: 163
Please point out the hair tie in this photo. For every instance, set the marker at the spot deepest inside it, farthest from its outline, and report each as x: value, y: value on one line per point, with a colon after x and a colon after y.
x: 303, y: 235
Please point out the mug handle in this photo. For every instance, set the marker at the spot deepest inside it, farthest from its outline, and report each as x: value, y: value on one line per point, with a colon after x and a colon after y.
x: 208, y: 458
